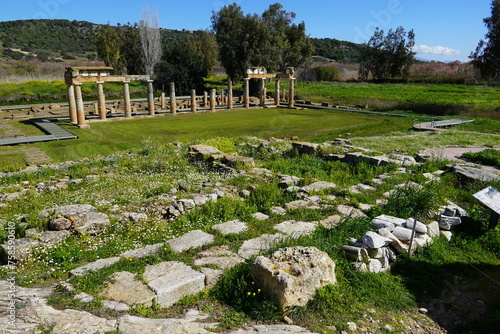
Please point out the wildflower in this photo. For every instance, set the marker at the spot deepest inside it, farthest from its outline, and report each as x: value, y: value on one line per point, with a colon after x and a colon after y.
x: 249, y: 293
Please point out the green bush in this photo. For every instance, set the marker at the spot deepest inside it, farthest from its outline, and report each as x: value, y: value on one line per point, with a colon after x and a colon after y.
x: 327, y: 73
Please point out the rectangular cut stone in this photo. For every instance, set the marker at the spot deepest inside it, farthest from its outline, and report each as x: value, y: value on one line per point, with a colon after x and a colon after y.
x: 96, y: 265
x: 190, y: 240
x: 173, y: 280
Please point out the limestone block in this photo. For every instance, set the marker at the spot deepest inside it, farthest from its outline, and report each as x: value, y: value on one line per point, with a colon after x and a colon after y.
x: 97, y: 222
x: 128, y: 290
x: 202, y: 151
x: 395, y: 242
x: 447, y: 223
x: 350, y: 211
x: 318, y: 186
x: 135, y: 325
x: 305, y: 148
x: 256, y: 245
x: 193, y: 239
x: 291, y: 275
x: 402, y: 233
x: 173, y: 280
x: 433, y: 229
x: 277, y: 210
x: 296, y: 228
x: 390, y: 219
x: 446, y: 234
x: 96, y: 265
x: 219, y: 256
x: 231, y: 227
x: 375, y: 240
x: 330, y: 221
x: 374, y: 266
x: 72, y: 321
x: 18, y: 249
x: 237, y: 161
x: 419, y: 227
x: 260, y: 216
x: 212, y: 276
x: 379, y: 223
x: 356, y: 253
x: 142, y: 252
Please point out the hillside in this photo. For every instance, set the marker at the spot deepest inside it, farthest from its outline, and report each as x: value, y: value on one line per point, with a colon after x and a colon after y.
x: 75, y: 37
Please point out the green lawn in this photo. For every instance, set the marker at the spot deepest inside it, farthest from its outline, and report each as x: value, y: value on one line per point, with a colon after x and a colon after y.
x: 310, y: 125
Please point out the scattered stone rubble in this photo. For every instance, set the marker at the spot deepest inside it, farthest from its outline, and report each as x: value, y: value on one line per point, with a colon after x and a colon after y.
x: 376, y: 251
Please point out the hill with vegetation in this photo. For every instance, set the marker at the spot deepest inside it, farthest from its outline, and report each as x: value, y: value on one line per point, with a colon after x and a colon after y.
x: 75, y: 37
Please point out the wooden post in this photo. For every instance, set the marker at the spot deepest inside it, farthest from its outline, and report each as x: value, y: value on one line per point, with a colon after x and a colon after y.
x: 126, y: 99
x: 193, y: 100
x: 173, y: 105
x: 72, y: 104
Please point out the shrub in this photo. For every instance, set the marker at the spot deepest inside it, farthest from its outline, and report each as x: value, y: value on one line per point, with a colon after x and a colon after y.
x: 327, y: 73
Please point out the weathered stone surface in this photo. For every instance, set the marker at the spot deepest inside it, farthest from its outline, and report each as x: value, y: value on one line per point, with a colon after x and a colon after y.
x: 354, y: 157
x: 330, y: 221
x: 116, y: 306
x: 374, y: 266
x: 291, y: 275
x: 374, y: 240
x: 447, y: 223
x: 446, y: 234
x: 272, y: 329
x: 134, y: 217
x: 212, y: 276
x: 433, y: 229
x: 231, y: 227
x: 49, y: 238
x: 395, y: 242
x: 296, y: 228
x: 419, y: 227
x: 256, y: 245
x: 72, y: 321
x: 318, y: 186
x: 379, y: 223
x: 128, y: 290
x: 305, y: 148
x: 390, y: 219
x: 346, y: 210
x: 191, y: 240
x: 356, y: 253
x: 300, y: 204
x: 173, y: 280
x: 136, y: 325
x: 84, y: 297
x: 260, y: 216
x: 467, y: 174
x: 277, y: 210
x: 68, y: 210
x: 142, y: 252
x: 402, y: 233
x: 220, y: 256
x: 237, y: 161
x: 19, y: 249
x: 202, y: 151
x: 96, y: 265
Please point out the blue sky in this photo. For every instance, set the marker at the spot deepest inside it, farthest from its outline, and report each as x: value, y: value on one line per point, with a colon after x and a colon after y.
x: 444, y: 29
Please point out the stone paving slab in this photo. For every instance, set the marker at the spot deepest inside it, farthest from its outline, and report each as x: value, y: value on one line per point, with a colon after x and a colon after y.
x: 96, y: 265
x: 256, y: 245
x: 190, y: 240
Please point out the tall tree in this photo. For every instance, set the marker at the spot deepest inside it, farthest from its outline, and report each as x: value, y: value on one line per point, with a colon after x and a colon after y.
x: 131, y: 48
x: 270, y: 40
x: 486, y: 58
x: 149, y: 29
x: 387, y: 56
x: 108, y: 45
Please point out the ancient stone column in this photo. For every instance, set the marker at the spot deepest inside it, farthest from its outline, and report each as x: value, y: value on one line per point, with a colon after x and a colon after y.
x: 173, y: 106
x: 72, y: 104
x: 212, y: 100
x: 126, y: 99
x: 291, y: 93
x: 205, y: 99
x: 193, y: 100
x: 80, y: 111
x: 163, y: 103
x: 277, y: 93
x: 151, y: 101
x: 246, y: 94
x: 262, y: 92
x: 101, y: 100
x: 230, y: 95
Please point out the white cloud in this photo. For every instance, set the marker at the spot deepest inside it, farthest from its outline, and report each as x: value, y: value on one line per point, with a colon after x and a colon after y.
x: 436, y: 50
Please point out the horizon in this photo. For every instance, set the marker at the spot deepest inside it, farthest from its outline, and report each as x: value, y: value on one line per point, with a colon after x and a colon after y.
x: 459, y: 23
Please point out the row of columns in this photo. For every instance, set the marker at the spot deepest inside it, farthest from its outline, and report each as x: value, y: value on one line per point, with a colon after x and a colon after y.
x: 77, y: 112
